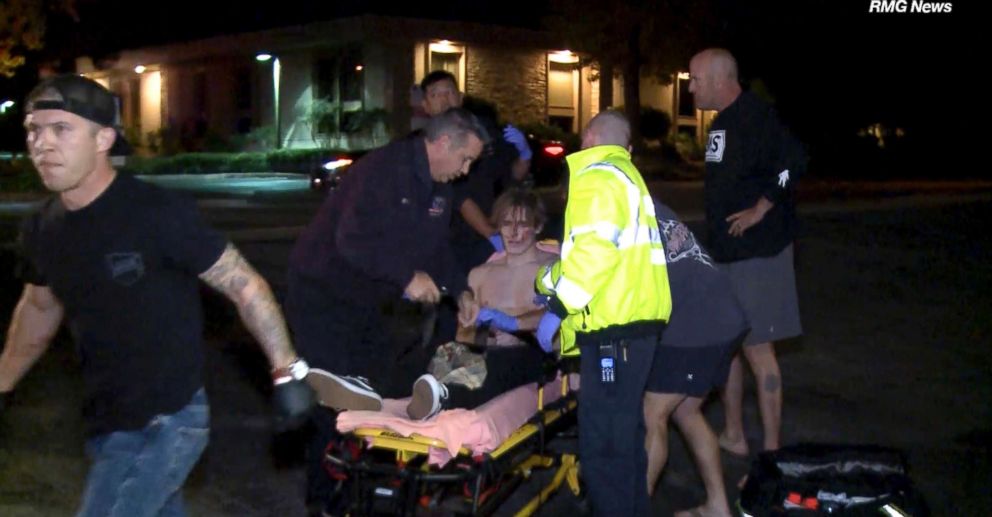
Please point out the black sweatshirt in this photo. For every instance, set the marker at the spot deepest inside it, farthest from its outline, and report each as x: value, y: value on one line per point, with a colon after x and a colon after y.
x: 387, y: 220
x: 749, y: 155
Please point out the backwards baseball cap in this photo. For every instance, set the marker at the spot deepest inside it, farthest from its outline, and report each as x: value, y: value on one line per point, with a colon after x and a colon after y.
x: 84, y: 97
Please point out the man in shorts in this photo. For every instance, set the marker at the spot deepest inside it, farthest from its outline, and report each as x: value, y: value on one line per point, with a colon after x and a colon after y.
x: 752, y: 164
x: 693, y: 358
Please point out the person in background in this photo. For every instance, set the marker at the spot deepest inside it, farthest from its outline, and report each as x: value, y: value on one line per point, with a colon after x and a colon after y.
x: 504, y: 163
x: 752, y: 165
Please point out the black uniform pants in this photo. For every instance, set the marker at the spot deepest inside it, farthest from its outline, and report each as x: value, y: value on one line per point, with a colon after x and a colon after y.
x: 611, y: 427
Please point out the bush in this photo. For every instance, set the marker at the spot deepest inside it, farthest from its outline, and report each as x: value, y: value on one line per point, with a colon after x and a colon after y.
x: 687, y: 146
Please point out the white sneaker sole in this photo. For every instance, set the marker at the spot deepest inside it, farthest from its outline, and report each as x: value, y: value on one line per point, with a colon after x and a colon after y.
x: 337, y: 393
x: 422, y: 404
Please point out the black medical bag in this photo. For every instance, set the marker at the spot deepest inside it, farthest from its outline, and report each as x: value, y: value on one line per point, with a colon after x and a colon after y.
x: 812, y: 479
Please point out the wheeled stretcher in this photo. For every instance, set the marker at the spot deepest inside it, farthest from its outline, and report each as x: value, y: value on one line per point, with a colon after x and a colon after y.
x: 464, y: 462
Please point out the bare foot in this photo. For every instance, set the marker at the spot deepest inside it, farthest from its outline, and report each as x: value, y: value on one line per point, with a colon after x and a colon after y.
x: 737, y: 448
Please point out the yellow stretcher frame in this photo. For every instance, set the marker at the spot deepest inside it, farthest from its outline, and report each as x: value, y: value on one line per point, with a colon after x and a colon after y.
x: 408, y: 449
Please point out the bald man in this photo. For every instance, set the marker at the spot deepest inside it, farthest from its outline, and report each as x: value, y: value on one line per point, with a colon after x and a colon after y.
x: 609, y: 295
x: 752, y: 163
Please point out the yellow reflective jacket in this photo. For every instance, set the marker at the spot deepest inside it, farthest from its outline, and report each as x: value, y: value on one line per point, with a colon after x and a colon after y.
x: 611, y: 280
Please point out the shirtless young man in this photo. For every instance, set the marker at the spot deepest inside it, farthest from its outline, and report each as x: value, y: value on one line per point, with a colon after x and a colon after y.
x: 502, y: 296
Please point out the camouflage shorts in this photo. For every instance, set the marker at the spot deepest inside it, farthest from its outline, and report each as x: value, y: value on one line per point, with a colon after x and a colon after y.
x: 455, y: 363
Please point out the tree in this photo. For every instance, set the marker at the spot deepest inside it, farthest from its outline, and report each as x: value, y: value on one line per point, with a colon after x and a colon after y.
x: 22, y: 29
x: 631, y: 38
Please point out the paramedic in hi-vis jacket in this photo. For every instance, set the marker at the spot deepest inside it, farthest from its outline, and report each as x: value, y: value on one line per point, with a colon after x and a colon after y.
x: 609, y: 295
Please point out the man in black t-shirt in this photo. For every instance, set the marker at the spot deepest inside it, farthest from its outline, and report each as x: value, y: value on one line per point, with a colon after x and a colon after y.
x: 752, y: 164
x: 119, y: 261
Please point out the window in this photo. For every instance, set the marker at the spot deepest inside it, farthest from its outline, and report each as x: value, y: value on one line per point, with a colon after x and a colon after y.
x: 446, y: 62
x: 447, y: 56
x: 339, y: 92
x: 686, y: 106
x: 563, y: 89
x: 242, y: 99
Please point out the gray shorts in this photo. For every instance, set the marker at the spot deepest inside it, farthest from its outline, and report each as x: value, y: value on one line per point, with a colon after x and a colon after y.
x: 766, y: 288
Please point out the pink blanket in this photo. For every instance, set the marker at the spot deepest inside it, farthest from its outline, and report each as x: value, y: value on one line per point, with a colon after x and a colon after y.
x: 479, y: 430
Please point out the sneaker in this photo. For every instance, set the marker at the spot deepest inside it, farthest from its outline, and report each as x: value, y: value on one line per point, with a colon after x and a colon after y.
x: 343, y: 392
x: 428, y: 398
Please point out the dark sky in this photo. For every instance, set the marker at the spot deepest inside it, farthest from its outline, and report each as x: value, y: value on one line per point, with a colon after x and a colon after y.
x: 819, y: 55
x: 828, y: 63
x: 801, y: 48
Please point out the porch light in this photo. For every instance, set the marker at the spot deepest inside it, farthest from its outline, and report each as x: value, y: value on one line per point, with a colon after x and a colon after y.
x: 563, y: 56
x: 445, y: 47
x: 265, y: 57
x: 140, y: 69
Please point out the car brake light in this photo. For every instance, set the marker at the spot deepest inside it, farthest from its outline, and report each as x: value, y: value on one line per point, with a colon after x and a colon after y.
x: 337, y: 164
x: 554, y: 150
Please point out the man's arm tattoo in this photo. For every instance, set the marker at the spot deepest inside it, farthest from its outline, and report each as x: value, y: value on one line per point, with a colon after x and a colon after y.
x: 239, y: 282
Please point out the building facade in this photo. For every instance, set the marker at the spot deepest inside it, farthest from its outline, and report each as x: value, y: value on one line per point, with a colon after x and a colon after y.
x: 348, y: 83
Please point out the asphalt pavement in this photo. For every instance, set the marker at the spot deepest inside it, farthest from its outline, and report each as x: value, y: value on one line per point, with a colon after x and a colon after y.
x: 893, y: 287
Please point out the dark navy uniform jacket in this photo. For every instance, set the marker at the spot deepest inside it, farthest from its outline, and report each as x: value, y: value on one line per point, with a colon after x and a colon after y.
x: 385, y: 221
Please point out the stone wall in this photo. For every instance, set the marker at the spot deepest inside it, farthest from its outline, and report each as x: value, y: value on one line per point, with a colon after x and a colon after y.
x: 515, y: 80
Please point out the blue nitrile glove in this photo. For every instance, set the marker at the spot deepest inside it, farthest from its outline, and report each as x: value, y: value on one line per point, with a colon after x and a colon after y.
x: 546, y: 329
x: 517, y: 138
x: 497, y: 241
x: 497, y: 319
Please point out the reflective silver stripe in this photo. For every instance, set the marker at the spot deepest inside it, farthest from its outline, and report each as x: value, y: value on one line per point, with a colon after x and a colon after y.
x: 629, y: 235
x: 657, y: 256
x: 639, y: 235
x: 648, y: 205
x: 571, y: 293
x: 604, y: 230
x: 547, y: 281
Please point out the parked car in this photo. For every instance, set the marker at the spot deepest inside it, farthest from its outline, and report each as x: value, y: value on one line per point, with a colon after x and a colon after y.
x: 547, y: 165
x: 329, y: 174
